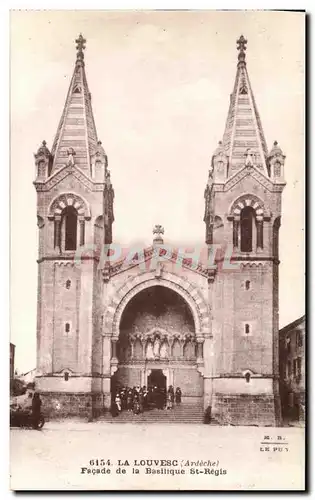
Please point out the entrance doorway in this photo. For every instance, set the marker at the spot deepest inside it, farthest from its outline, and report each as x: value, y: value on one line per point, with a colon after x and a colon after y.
x: 157, y: 379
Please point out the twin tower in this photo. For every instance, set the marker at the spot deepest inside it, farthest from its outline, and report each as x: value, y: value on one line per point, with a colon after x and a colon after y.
x: 213, y: 331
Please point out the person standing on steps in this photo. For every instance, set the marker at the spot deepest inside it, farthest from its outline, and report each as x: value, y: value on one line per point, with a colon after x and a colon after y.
x: 129, y: 400
x: 178, y: 395
x: 170, y: 393
x: 118, y: 402
x: 169, y: 401
x: 136, y: 404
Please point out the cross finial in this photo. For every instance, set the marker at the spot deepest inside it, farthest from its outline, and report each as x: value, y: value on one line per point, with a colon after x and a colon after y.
x: 158, y: 230
x: 241, y: 46
x: 80, y: 41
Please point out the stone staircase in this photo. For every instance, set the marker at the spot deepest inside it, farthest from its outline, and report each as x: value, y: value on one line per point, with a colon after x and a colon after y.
x: 185, y: 413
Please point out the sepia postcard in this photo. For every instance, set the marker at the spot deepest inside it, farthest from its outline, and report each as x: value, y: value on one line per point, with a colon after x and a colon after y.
x: 158, y: 310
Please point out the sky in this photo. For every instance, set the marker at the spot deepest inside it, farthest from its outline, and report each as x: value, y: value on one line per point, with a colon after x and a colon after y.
x: 160, y: 84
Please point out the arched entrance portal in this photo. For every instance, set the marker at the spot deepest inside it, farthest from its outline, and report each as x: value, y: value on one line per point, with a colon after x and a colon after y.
x: 157, y: 343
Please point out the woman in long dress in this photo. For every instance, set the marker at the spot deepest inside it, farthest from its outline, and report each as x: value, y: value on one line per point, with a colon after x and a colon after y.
x: 118, y: 402
x: 169, y: 401
x: 178, y: 395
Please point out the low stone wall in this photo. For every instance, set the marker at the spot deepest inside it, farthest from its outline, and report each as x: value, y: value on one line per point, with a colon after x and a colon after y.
x: 57, y: 405
x: 244, y: 409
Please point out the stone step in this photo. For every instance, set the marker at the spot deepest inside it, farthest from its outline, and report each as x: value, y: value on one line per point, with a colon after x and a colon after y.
x: 179, y: 414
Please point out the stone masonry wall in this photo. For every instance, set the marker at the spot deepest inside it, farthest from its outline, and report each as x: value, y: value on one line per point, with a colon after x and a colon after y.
x: 244, y: 409
x: 59, y: 405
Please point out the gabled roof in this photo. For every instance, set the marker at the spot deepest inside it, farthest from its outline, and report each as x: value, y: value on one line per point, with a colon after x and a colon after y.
x: 146, y: 254
x: 243, y: 133
x: 292, y: 326
x: 76, y: 128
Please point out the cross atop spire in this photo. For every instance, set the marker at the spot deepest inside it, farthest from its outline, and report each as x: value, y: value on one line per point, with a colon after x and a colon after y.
x: 241, y: 46
x: 158, y: 230
x: 80, y: 41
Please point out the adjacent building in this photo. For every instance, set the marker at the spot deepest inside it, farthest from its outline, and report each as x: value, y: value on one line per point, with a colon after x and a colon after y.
x: 12, y: 356
x: 211, y: 330
x: 292, y: 370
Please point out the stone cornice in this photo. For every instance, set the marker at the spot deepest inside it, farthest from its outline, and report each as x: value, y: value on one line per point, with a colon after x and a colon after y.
x: 252, y: 171
x: 68, y: 258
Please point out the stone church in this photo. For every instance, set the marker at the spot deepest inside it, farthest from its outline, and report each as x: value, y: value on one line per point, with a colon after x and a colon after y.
x: 159, y: 318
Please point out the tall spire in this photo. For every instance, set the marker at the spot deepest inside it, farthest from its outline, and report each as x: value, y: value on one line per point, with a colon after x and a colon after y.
x: 243, y: 140
x: 76, y: 137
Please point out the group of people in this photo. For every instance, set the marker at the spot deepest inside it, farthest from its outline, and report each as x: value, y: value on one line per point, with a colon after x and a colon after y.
x: 139, y: 399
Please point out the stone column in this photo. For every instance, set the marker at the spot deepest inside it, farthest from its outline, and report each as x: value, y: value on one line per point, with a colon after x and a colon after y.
x: 208, y: 370
x: 143, y: 342
x: 236, y: 226
x: 57, y: 229
x: 114, y: 348
x: 172, y: 376
x: 166, y: 372
x: 142, y: 379
x: 182, y: 345
x: 259, y: 225
x: 200, y: 350
x: 107, y: 370
x: 132, y: 345
x: 82, y: 231
x: 147, y: 373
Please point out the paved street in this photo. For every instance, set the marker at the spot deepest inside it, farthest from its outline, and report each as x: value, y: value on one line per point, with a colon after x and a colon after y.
x: 54, y: 457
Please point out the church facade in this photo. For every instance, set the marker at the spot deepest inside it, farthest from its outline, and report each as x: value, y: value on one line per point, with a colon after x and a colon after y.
x: 158, y: 316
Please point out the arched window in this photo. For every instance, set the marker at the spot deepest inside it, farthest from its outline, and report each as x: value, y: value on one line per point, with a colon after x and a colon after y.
x: 70, y: 221
x: 247, y: 221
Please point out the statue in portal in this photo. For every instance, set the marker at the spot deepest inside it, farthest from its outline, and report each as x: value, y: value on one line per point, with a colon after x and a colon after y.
x: 164, y: 350
x: 149, y: 351
x: 156, y: 347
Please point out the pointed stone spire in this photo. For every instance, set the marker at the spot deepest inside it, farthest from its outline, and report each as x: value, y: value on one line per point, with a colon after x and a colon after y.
x: 243, y: 140
x: 76, y: 131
